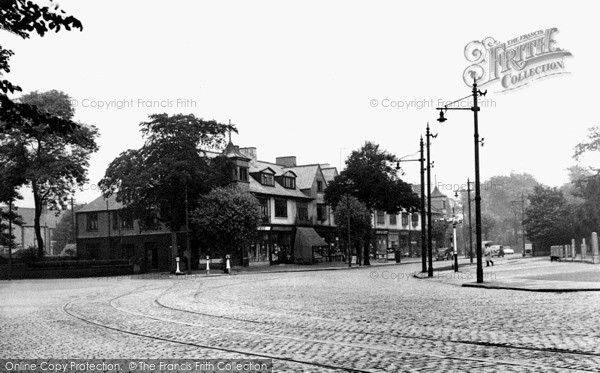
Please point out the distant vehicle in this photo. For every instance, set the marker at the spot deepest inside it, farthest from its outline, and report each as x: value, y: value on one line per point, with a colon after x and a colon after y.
x: 497, y: 250
x: 528, y: 250
x: 508, y: 250
x: 443, y: 253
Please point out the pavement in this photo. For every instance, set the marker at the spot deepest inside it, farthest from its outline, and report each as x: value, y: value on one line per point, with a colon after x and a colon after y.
x: 510, y: 273
x: 525, y: 274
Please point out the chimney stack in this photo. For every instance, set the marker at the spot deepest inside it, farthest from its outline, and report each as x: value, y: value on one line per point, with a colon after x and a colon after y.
x: 249, y: 152
x: 289, y: 161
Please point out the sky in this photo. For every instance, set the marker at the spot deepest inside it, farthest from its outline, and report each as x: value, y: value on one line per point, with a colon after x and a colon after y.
x: 316, y: 79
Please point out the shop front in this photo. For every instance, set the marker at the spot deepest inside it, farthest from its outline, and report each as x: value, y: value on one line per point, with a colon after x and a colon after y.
x: 381, y: 244
x: 281, y: 238
x: 260, y: 247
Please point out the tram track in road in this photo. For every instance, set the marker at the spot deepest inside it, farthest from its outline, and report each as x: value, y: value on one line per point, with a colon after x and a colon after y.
x: 253, y: 334
x: 399, y: 335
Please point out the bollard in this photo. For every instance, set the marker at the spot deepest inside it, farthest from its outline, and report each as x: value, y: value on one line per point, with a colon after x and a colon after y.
x: 595, y: 255
x: 583, y: 249
x: 573, y: 249
x: 177, y: 271
x: 207, y: 265
x: 227, y: 265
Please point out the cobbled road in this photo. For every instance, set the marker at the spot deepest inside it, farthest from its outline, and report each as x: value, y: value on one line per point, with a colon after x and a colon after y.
x: 378, y: 319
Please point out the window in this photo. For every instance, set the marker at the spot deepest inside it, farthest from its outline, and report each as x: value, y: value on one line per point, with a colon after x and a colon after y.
x: 319, y: 186
x: 404, y: 218
x: 244, y: 173
x: 281, y: 208
x: 321, y: 212
x: 264, y: 207
x: 393, y: 219
x: 267, y: 179
x: 443, y: 204
x: 415, y: 219
x: 289, y: 182
x: 380, y: 218
x: 92, y: 221
x: 302, y: 211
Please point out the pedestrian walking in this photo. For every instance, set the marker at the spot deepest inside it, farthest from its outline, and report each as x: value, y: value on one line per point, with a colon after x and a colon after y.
x: 488, y: 256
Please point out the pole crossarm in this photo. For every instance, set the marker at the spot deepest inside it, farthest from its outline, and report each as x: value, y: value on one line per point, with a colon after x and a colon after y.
x: 454, y: 108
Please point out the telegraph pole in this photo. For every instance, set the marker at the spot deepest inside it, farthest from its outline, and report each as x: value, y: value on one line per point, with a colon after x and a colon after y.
x: 522, y: 203
x: 10, y: 238
x: 421, y: 161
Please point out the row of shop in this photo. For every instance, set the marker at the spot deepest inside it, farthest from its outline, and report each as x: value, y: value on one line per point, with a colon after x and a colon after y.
x: 271, y: 245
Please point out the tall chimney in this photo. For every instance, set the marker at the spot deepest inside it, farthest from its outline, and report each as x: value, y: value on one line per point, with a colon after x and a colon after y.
x: 289, y: 161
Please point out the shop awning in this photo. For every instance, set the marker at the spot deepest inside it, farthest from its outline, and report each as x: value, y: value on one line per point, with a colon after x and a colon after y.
x: 306, y: 239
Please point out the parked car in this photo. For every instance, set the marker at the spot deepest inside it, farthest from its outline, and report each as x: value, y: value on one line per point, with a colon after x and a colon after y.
x: 496, y: 250
x: 508, y: 250
x: 443, y: 253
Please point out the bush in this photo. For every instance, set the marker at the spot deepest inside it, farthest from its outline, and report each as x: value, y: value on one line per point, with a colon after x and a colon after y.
x: 28, y: 255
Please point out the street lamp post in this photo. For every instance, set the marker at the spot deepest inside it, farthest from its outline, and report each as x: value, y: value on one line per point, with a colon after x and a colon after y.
x: 429, y: 135
x: 349, y: 244
x: 454, y: 247
x: 187, y: 234
x: 421, y: 160
x: 475, y: 93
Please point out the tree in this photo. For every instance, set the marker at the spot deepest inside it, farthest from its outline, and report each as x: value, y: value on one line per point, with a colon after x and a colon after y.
x: 585, y: 205
x: 154, y: 181
x: 23, y: 17
x: 501, y: 217
x: 591, y: 145
x: 370, y: 176
x: 64, y: 233
x: 53, y: 164
x: 360, y: 220
x: 441, y: 230
x: 488, y: 223
x: 225, y: 220
x: 546, y: 218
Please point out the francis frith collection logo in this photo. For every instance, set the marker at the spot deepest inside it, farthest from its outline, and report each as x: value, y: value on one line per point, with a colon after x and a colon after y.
x: 516, y: 62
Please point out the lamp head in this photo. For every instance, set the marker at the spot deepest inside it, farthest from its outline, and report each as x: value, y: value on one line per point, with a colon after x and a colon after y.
x: 441, y: 119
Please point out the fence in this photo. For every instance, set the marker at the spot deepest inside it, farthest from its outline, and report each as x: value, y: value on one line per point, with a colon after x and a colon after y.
x: 586, y: 253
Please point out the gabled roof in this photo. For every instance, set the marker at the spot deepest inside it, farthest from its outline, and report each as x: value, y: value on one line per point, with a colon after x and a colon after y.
x: 329, y: 173
x: 99, y: 204
x: 269, y: 169
x: 305, y: 175
x: 276, y: 190
x: 288, y: 171
x: 256, y: 166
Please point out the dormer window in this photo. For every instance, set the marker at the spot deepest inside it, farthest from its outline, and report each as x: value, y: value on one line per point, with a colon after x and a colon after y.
x: 289, y: 182
x: 267, y: 179
x: 243, y: 173
x: 319, y: 186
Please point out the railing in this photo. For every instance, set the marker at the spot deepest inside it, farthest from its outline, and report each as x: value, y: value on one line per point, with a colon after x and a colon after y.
x: 586, y: 253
